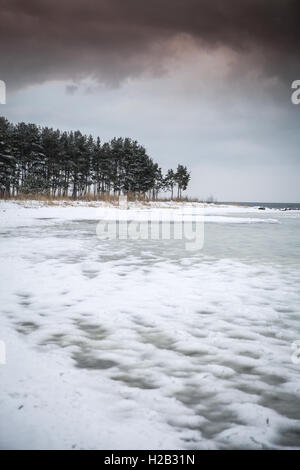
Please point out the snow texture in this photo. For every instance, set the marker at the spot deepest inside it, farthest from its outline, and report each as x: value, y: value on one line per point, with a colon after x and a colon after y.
x: 124, y: 344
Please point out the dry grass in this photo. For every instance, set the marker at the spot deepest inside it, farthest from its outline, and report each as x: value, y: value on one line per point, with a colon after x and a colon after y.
x: 112, y: 199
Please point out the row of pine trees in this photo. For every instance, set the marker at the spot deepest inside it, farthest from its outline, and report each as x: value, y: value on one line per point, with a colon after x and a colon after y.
x: 35, y: 160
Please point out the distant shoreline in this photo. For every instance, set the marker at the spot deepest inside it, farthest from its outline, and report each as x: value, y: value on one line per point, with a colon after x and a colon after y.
x: 269, y: 205
x: 113, y: 200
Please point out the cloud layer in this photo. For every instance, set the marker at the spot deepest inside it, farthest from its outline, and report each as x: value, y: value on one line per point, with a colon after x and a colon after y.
x: 111, y: 40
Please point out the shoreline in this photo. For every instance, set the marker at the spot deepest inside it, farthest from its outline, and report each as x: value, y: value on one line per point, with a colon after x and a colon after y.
x: 32, y: 212
x: 163, y: 203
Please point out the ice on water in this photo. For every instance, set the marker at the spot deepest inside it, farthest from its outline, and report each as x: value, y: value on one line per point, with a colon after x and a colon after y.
x: 141, y: 344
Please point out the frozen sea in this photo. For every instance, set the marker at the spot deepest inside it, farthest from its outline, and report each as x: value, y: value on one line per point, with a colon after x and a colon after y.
x: 142, y: 344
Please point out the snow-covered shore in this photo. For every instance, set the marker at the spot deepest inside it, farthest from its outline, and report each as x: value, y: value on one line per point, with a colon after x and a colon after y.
x: 123, y: 345
x: 15, y: 213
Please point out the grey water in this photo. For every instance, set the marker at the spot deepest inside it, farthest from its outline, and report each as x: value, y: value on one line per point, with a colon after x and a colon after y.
x: 269, y: 205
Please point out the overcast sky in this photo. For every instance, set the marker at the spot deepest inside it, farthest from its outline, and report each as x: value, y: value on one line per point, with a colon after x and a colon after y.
x: 205, y: 83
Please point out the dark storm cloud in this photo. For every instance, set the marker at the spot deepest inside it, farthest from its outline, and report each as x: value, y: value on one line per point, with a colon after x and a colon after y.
x: 111, y: 40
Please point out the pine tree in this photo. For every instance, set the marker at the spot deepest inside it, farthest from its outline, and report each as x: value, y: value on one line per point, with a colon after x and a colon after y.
x: 7, y: 160
x: 170, y: 181
x: 36, y: 160
x: 182, y: 178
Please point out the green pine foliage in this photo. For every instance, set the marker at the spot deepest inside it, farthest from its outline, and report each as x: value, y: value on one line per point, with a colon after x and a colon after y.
x: 44, y: 161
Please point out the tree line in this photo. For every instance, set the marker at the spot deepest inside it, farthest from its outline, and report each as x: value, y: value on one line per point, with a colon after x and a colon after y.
x: 41, y: 160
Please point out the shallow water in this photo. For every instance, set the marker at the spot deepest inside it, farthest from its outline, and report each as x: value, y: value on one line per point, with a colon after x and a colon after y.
x: 203, y: 339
